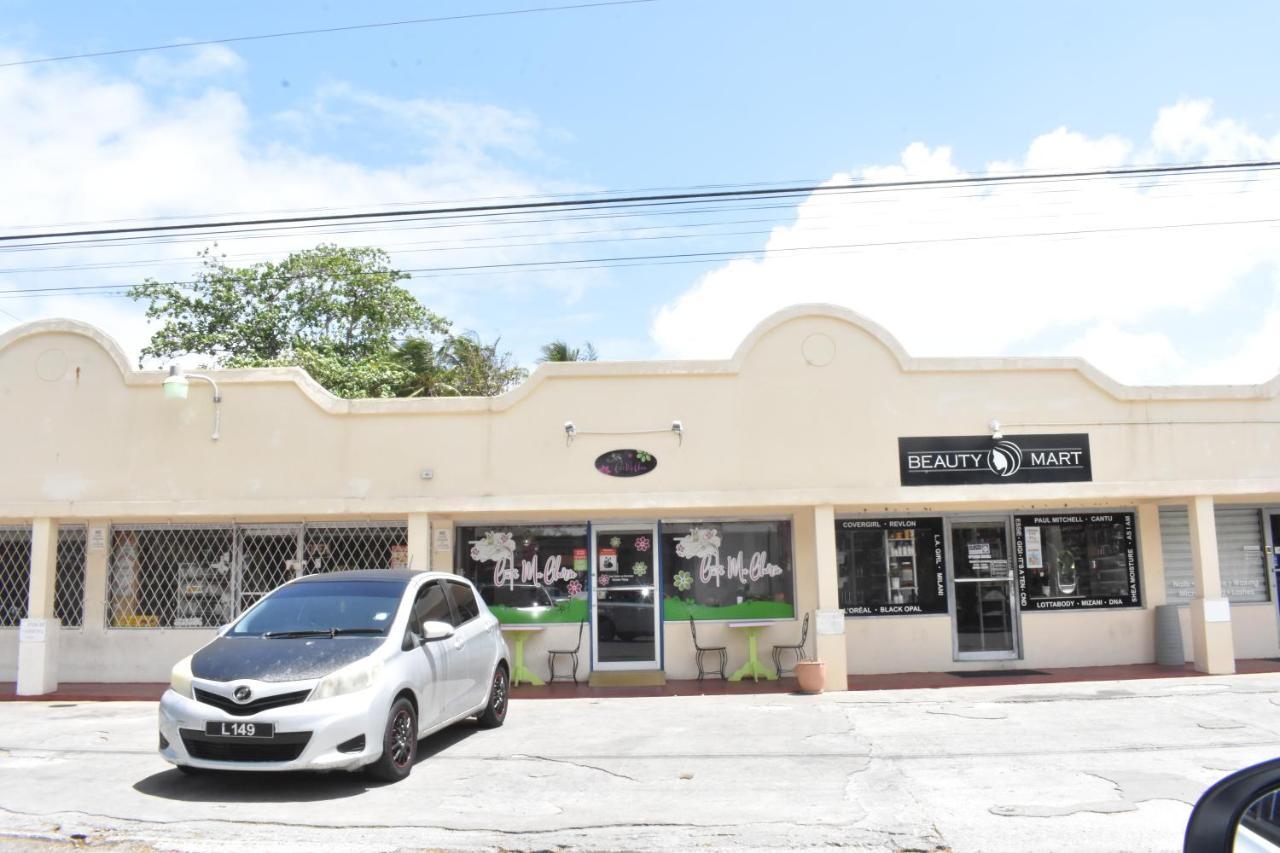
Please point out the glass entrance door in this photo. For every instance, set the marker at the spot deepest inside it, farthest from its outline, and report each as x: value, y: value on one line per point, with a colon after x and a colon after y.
x: 985, y: 616
x: 624, y: 597
x: 1273, y: 530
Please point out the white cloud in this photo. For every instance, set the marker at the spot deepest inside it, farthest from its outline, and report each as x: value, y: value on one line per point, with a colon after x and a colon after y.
x: 965, y: 272
x: 83, y: 146
x: 188, y: 64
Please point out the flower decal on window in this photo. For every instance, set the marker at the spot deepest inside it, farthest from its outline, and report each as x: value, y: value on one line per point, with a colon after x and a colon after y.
x: 494, y: 546
x: 640, y: 569
x: 602, y: 580
x: 699, y: 542
x: 683, y: 581
x: 616, y: 542
x: 574, y: 588
x: 642, y: 543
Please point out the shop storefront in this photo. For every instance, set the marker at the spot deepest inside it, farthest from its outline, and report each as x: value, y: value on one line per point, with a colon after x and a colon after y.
x: 913, y: 515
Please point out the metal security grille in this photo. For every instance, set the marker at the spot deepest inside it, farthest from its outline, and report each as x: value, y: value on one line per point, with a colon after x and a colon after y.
x: 68, y: 587
x: 268, y: 556
x: 202, y: 576
x: 15, y: 573
x: 1241, y: 560
x: 340, y: 547
x: 163, y: 576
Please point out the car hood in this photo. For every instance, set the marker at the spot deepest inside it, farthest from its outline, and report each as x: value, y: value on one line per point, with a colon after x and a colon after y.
x: 284, y: 659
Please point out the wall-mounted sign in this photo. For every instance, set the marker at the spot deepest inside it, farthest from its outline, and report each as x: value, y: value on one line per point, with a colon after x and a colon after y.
x: 626, y: 463
x: 979, y: 459
x: 442, y: 538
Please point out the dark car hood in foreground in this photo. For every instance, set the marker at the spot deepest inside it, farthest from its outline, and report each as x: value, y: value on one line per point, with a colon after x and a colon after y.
x: 286, y: 659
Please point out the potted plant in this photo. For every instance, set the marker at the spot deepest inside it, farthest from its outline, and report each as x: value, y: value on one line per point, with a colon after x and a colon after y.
x: 811, y: 675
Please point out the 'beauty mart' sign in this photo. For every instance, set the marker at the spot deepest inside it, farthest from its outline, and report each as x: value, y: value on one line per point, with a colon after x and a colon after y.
x: 981, y: 459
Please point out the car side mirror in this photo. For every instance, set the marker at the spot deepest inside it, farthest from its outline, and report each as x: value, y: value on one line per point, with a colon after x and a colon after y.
x: 432, y: 631
x: 1245, y: 805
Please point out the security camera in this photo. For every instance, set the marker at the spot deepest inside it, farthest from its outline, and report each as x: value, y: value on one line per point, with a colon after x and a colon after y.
x: 995, y: 429
x: 569, y: 428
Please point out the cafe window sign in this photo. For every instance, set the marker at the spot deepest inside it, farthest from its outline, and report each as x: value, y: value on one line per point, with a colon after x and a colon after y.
x: 527, y: 574
x: 980, y: 459
x: 1079, y: 560
x: 727, y: 570
x: 891, y: 566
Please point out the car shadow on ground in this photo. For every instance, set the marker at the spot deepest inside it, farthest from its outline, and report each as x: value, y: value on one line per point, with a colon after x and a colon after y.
x: 228, y: 786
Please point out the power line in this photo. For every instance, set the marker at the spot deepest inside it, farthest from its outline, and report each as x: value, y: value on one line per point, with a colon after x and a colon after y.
x: 608, y: 262
x: 348, y: 28
x: 656, y: 199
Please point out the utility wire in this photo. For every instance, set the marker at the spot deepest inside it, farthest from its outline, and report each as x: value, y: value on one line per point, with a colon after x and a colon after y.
x: 657, y: 199
x: 684, y: 257
x: 348, y: 28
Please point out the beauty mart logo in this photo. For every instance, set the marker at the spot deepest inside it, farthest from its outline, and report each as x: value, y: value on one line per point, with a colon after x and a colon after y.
x: 977, y: 460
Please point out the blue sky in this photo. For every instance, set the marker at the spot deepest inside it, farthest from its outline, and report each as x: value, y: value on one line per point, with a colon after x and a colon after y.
x: 674, y: 93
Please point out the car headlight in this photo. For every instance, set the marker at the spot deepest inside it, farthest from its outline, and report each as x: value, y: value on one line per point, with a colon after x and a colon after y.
x: 350, y: 679
x: 180, y: 678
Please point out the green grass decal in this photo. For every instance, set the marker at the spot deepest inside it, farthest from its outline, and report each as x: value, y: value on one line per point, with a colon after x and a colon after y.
x: 679, y: 610
x: 574, y: 610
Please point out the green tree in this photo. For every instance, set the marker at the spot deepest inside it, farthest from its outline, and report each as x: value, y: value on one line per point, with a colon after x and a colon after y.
x: 426, y: 369
x: 558, y: 350
x: 479, y: 369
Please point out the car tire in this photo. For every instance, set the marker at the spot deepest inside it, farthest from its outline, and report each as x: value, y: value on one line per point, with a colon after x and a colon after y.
x: 495, y: 713
x: 399, y: 743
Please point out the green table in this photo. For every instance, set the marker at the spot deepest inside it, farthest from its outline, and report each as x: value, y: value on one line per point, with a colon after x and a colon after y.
x: 752, y: 667
x: 520, y: 672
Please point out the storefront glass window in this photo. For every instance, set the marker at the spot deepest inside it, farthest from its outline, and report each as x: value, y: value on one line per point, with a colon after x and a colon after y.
x: 891, y: 566
x: 727, y: 570
x: 1077, y: 561
x: 1242, y: 562
x: 527, y: 574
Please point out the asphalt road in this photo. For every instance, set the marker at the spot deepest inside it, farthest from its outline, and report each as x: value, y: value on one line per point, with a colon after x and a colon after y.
x: 1094, y: 766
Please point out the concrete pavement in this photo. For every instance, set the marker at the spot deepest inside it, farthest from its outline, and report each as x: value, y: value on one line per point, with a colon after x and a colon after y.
x: 1091, y: 766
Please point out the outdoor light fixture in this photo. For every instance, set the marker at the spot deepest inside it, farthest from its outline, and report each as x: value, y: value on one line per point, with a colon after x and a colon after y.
x: 678, y: 429
x: 569, y: 432
x: 177, y: 383
x: 996, y: 434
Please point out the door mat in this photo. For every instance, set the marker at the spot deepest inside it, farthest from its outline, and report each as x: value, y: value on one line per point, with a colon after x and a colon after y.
x: 995, y: 673
x: 629, y: 678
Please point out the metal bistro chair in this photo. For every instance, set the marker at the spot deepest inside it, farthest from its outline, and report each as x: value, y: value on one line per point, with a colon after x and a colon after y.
x: 701, y: 650
x: 572, y: 653
x: 797, y: 649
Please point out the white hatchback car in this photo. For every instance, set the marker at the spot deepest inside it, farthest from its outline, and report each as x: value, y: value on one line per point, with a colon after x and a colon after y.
x: 338, y: 672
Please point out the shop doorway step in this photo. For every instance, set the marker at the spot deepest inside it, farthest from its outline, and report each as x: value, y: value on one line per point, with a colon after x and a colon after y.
x: 629, y: 678
x: 988, y: 673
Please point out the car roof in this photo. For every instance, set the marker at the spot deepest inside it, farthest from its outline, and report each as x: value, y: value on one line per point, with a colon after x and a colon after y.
x: 400, y: 576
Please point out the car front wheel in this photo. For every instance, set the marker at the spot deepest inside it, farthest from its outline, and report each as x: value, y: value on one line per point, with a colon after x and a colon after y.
x: 399, y: 743
x: 495, y: 713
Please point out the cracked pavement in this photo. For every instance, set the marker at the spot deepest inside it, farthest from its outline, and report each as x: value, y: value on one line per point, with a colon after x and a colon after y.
x: 1088, y: 766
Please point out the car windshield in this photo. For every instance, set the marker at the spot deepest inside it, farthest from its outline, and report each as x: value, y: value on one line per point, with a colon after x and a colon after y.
x: 323, y: 608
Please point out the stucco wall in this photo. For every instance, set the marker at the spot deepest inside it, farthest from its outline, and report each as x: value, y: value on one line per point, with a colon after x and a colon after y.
x: 806, y: 413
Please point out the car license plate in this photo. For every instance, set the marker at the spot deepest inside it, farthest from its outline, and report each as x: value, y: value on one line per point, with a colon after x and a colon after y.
x: 240, y: 730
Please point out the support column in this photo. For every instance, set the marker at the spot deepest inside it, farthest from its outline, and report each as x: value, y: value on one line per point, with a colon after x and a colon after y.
x: 1151, y: 556
x: 442, y: 544
x: 419, y: 542
x: 830, y: 647
x: 1211, y: 642
x: 97, y: 551
x: 38, y: 633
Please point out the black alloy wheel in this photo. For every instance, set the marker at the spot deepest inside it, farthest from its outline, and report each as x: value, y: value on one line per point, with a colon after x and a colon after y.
x: 399, y: 743
x: 495, y: 713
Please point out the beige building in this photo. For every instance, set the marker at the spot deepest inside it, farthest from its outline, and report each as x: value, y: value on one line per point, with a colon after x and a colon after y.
x: 917, y: 514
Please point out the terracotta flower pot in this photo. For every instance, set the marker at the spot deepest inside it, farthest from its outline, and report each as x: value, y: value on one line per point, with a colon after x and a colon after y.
x: 811, y: 675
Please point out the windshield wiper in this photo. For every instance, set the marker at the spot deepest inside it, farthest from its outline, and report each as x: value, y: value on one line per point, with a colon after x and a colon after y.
x: 321, y: 632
